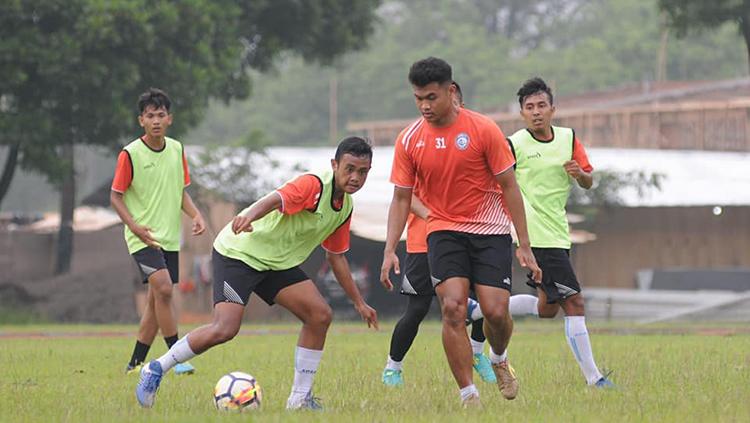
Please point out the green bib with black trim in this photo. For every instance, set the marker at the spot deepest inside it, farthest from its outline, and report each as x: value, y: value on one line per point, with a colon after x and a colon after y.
x: 545, y: 185
x: 154, y: 197
x: 281, y: 241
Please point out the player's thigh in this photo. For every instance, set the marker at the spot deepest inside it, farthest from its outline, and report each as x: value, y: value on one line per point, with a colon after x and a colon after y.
x: 448, y: 256
x: 305, y: 301
x: 234, y: 280
x: 416, y: 280
x: 559, y: 280
x: 453, y: 294
x: 491, y: 261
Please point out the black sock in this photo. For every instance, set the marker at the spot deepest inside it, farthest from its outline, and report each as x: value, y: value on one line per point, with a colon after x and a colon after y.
x: 477, y: 334
x: 407, y: 327
x: 170, y: 340
x: 139, y: 353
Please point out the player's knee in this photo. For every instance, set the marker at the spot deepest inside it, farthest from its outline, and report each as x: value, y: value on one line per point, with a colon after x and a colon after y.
x: 224, y: 332
x: 495, y: 315
x: 575, y: 305
x: 418, y: 310
x: 162, y: 291
x: 454, y: 311
x: 321, y: 317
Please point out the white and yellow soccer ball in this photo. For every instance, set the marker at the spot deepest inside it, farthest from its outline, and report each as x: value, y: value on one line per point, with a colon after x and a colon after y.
x: 237, y: 391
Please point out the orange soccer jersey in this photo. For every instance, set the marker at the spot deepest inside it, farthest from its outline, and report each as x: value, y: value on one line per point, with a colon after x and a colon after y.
x: 455, y: 167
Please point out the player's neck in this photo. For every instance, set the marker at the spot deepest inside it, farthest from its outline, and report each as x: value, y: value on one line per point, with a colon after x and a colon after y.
x: 447, y: 120
x: 544, y: 134
x: 154, y: 142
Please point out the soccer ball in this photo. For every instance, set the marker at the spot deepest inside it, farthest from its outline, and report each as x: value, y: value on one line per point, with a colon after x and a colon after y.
x: 237, y: 391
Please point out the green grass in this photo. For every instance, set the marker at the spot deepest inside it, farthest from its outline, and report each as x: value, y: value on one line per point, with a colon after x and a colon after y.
x: 662, y: 377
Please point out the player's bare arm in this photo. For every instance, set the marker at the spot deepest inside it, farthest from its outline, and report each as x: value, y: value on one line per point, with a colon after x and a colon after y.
x: 188, y: 206
x: 574, y: 170
x: 514, y: 201
x: 243, y: 222
x: 141, y: 231
x: 340, y: 267
x: 418, y: 208
x: 397, y: 214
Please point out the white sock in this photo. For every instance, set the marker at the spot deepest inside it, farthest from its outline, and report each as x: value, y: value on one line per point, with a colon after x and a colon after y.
x: 468, y: 391
x: 498, y: 358
x: 179, y: 353
x: 578, y: 340
x: 476, y: 346
x: 393, y: 364
x: 522, y: 305
x: 305, y: 366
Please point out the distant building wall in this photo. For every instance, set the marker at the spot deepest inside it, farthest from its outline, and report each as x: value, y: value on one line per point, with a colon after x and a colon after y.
x: 632, y: 239
x: 716, y: 125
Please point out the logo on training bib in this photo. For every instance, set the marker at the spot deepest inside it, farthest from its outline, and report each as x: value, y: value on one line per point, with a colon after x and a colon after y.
x: 462, y: 141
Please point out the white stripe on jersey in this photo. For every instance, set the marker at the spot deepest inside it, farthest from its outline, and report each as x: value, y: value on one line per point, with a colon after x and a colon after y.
x: 490, y: 219
x: 410, y: 132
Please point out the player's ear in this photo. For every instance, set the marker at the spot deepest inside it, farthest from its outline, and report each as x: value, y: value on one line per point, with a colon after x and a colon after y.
x: 334, y: 164
x: 140, y: 120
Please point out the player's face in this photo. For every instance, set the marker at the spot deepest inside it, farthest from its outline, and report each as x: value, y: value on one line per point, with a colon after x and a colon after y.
x: 155, y: 121
x: 350, y: 172
x: 435, y: 101
x: 537, y: 111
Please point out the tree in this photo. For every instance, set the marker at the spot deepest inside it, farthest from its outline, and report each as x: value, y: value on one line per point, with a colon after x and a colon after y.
x: 687, y: 15
x: 71, y: 70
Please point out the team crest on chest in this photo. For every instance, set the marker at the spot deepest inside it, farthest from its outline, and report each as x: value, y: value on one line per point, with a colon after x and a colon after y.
x: 462, y: 141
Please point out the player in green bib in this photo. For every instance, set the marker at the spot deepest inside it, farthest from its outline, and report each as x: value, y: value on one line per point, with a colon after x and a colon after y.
x: 148, y: 192
x: 548, y: 160
x: 260, y: 251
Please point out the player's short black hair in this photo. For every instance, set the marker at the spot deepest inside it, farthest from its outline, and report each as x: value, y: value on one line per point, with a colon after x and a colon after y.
x: 430, y: 70
x: 356, y: 146
x: 534, y: 86
x: 154, y: 97
x: 459, y: 93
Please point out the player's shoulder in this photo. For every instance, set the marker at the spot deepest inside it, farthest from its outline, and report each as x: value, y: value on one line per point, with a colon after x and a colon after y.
x: 405, y: 135
x: 478, y: 122
x: 133, y: 144
x: 173, y: 142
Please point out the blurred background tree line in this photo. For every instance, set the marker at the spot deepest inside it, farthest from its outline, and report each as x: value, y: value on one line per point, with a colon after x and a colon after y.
x: 264, y: 72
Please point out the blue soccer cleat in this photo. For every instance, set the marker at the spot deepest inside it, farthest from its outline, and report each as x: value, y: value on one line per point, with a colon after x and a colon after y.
x: 473, y: 312
x: 605, y: 383
x: 184, y: 369
x: 151, y: 376
x: 392, y: 377
x: 483, y: 366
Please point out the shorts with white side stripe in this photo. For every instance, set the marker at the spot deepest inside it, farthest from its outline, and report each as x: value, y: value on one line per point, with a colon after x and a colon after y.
x: 234, y: 280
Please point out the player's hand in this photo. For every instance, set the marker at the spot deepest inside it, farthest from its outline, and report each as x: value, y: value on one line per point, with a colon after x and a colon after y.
x: 199, y: 225
x: 390, y: 261
x: 144, y: 234
x: 368, y: 314
x: 573, y: 169
x: 527, y: 260
x: 241, y: 224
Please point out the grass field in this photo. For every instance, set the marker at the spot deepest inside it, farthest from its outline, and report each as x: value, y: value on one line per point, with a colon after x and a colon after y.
x: 665, y: 373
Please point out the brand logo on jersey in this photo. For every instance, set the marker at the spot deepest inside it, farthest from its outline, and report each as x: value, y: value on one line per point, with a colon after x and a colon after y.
x: 149, y: 165
x: 537, y: 155
x: 420, y: 144
x: 462, y: 141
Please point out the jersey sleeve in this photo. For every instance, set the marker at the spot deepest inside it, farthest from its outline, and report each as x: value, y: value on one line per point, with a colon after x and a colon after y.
x: 301, y: 193
x: 123, y: 173
x: 500, y: 157
x: 402, y: 169
x: 185, y: 169
x: 338, y: 241
x: 580, y: 156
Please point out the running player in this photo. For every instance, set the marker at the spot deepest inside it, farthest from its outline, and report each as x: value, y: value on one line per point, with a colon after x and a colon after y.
x: 463, y: 168
x: 260, y: 251
x: 548, y: 160
x: 148, y: 192
x: 417, y: 286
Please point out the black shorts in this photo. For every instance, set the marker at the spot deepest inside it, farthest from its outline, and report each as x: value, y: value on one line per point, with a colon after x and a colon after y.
x: 558, y: 278
x: 149, y: 260
x: 483, y: 259
x: 234, y: 280
x: 416, y: 279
